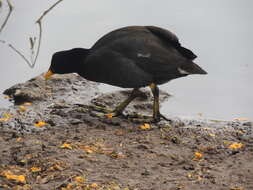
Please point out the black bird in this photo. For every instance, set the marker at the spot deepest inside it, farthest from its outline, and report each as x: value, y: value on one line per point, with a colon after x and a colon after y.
x: 130, y: 57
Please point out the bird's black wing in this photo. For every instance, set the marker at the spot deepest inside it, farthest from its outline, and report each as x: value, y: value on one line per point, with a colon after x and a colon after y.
x: 167, y: 36
x: 111, y: 67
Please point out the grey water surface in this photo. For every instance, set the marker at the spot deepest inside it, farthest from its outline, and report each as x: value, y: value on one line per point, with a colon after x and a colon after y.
x: 218, y: 31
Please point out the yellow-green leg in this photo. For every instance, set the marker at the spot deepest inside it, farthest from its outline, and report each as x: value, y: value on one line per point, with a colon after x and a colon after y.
x: 156, y: 108
x: 156, y: 111
x: 120, y: 108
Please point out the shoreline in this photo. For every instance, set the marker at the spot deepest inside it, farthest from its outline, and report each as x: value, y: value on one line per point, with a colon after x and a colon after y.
x: 52, y: 137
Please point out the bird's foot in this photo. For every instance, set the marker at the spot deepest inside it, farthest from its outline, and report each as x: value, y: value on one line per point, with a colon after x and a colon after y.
x: 140, y: 118
x: 100, y: 109
x: 103, y: 112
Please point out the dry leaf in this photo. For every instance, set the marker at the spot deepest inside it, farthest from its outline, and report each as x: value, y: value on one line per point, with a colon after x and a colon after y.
x: 88, y: 149
x: 94, y: 185
x: 6, y: 117
x: 145, y: 126
x: 35, y: 169
x: 66, y: 146
x: 109, y: 115
x: 22, y: 187
x: 18, y: 178
x: 18, y: 139
x: 40, y: 124
x: 79, y: 179
x: 241, y: 119
x: 7, y: 97
x: 236, y: 188
x: 235, y: 146
x: 197, y: 156
x: 27, y: 103
x: 22, y: 108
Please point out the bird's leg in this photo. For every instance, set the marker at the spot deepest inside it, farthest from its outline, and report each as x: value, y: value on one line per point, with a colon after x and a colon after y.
x: 120, y: 108
x: 156, y: 111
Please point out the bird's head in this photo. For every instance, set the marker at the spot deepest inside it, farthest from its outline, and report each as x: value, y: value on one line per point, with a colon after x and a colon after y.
x: 69, y: 61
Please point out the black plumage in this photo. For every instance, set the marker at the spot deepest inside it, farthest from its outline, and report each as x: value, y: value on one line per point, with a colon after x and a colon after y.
x: 130, y: 57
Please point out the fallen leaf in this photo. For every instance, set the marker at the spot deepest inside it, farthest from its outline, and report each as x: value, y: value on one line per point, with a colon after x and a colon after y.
x: 27, y: 103
x: 6, y: 117
x: 22, y: 108
x: 79, y: 179
x: 235, y: 145
x: 68, y: 187
x: 7, y: 97
x: 94, y: 185
x: 236, y: 188
x: 18, y: 139
x: 241, y: 119
x: 109, y: 115
x: 88, y: 149
x: 66, y: 146
x: 40, y: 124
x: 197, y: 156
x: 145, y: 126
x: 9, y: 175
x: 35, y: 169
x: 22, y: 187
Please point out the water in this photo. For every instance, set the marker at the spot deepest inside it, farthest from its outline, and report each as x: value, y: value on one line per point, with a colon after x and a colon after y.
x: 218, y: 31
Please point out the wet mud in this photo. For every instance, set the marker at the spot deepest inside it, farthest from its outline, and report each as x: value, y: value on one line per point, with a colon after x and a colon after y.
x: 52, y: 138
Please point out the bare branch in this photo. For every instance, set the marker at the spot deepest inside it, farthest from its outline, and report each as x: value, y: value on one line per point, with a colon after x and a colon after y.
x: 39, y: 43
x: 31, y: 63
x: 8, y: 15
x: 47, y: 11
x: 21, y: 55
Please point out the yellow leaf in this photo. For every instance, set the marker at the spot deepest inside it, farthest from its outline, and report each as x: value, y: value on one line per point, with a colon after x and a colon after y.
x: 236, y: 188
x: 7, y: 97
x: 40, y: 124
x: 145, y: 126
x: 88, y: 149
x: 22, y: 108
x: 235, y: 146
x: 66, y: 146
x: 27, y: 103
x: 198, y: 155
x: 94, y: 185
x: 4, y: 119
x: 11, y: 176
x: 109, y: 115
x: 241, y: 119
x: 18, y: 139
x: 35, y: 169
x: 7, y: 115
x: 79, y: 179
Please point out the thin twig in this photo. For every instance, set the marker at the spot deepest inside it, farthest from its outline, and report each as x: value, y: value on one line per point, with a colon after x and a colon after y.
x: 39, y: 44
x: 40, y: 30
x: 48, y: 10
x: 8, y: 15
x: 21, y: 55
x: 39, y: 22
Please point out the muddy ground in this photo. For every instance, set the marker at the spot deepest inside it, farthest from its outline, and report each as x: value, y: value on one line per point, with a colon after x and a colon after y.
x: 52, y: 138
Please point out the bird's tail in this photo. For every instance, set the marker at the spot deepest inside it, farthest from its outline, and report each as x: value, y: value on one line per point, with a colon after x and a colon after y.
x: 193, y: 68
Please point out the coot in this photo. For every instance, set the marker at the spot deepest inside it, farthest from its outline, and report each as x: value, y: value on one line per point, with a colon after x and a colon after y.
x: 130, y: 57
